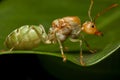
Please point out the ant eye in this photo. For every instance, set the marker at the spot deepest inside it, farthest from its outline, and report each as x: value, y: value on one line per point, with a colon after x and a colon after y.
x: 92, y: 26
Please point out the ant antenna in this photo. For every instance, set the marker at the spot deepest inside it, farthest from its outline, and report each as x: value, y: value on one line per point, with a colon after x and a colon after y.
x: 105, y: 10
x: 89, y: 11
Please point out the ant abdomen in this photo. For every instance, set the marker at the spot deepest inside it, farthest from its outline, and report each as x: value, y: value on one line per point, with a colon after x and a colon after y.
x: 26, y: 37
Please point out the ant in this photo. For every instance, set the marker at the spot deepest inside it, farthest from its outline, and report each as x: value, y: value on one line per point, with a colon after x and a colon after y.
x: 70, y: 27
x: 30, y: 36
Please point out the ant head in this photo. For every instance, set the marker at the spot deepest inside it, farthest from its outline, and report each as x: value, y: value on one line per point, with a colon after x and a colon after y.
x: 90, y: 28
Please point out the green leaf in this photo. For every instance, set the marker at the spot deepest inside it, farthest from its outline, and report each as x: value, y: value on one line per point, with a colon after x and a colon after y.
x: 15, y: 13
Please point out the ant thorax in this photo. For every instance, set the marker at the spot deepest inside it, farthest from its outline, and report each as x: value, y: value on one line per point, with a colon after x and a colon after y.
x: 63, y: 28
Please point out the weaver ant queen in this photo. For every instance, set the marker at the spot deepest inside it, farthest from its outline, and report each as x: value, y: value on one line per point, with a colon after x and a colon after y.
x: 30, y: 36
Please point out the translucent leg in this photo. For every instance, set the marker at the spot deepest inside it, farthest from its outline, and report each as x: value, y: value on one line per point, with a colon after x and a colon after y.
x: 61, y: 49
x: 81, y: 56
x: 87, y: 45
x: 11, y: 49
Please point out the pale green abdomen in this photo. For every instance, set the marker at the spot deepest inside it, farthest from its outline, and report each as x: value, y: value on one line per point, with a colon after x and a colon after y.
x: 25, y: 37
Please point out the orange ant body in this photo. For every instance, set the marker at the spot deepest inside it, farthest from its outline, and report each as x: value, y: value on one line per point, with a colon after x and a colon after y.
x: 71, y: 27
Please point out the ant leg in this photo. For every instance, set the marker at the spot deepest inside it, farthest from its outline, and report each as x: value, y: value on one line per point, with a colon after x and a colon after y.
x: 11, y: 49
x: 81, y: 56
x: 61, y: 48
x: 88, y: 46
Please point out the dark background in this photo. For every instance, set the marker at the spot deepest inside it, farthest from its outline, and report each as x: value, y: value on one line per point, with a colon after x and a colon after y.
x: 30, y: 67
x: 23, y: 67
